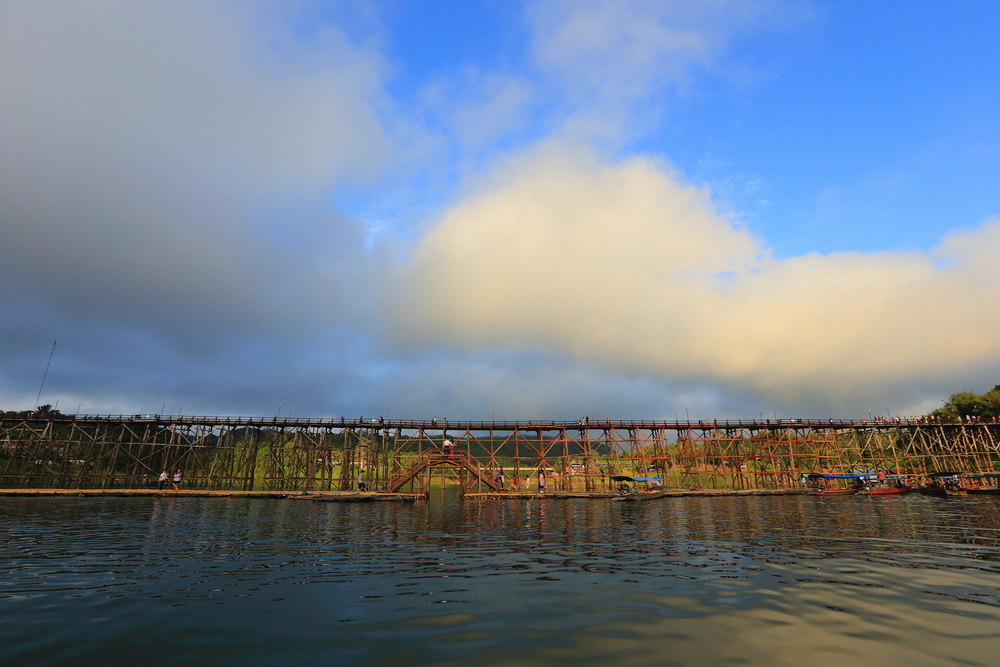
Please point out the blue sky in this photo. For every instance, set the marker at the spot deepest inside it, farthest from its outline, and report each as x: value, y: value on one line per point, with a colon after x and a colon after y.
x: 529, y: 209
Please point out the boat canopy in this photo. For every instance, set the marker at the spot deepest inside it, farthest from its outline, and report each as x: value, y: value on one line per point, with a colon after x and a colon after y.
x: 626, y: 478
x: 952, y: 473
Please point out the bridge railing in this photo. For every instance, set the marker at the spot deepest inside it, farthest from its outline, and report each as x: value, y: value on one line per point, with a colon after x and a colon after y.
x: 381, y: 423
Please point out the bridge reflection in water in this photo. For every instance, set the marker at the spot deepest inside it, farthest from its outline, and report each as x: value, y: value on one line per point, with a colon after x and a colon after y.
x: 117, y: 451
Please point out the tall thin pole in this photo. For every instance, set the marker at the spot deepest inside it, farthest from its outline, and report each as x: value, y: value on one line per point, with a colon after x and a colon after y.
x: 46, y: 373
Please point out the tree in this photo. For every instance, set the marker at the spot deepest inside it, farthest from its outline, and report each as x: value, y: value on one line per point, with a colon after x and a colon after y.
x: 971, y: 404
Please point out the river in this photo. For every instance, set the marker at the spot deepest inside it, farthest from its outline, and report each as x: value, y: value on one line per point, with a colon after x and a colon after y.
x: 788, y: 580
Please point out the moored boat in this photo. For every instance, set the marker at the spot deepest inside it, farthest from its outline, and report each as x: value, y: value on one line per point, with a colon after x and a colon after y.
x: 885, y: 490
x: 881, y: 485
x: 941, y: 483
x: 627, y: 487
x: 830, y: 484
x: 835, y: 492
x: 985, y: 483
x: 641, y: 495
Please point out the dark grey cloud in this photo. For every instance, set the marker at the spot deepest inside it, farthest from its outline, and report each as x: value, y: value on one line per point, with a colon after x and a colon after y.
x: 165, y: 175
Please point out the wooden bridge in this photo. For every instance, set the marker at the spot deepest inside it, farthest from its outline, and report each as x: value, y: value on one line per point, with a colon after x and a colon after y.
x: 129, y: 451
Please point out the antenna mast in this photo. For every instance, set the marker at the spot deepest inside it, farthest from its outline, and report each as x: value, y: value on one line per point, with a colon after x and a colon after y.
x: 45, y: 374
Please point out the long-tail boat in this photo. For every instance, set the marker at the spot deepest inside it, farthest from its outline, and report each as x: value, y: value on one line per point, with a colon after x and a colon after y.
x: 829, y: 484
x: 627, y: 487
x: 941, y: 483
x: 987, y: 484
x: 885, y: 486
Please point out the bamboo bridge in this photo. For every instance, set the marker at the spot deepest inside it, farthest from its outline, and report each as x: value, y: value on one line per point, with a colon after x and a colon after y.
x: 400, y: 455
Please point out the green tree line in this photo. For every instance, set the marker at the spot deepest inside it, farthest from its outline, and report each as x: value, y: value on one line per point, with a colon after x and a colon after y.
x: 971, y: 404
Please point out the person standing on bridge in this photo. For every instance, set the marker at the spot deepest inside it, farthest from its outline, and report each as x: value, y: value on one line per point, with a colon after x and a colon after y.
x: 162, y: 480
x: 449, y: 448
x: 541, y: 481
x: 178, y: 477
x: 362, y: 485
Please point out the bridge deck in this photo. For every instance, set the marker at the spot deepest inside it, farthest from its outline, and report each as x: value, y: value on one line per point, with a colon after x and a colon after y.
x: 381, y: 423
x: 323, y: 496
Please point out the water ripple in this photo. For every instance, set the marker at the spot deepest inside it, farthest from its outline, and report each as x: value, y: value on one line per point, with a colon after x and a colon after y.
x: 886, y: 580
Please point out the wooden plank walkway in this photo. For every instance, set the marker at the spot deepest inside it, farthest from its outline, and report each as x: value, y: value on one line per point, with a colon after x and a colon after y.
x: 323, y: 496
x: 668, y: 493
x: 372, y: 496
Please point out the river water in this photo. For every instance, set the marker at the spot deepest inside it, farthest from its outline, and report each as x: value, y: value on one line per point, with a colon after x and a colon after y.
x: 909, y: 580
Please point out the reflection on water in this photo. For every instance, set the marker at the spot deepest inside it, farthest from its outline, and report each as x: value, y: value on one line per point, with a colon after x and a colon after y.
x: 775, y: 580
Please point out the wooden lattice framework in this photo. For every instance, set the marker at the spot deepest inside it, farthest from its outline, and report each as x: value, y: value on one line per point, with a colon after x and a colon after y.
x: 87, y: 451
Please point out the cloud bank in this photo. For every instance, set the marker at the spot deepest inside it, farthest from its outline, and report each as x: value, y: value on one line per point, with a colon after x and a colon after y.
x: 622, y: 266
x: 162, y: 167
x: 165, y: 181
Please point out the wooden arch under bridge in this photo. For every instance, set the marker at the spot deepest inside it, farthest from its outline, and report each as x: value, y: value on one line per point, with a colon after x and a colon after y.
x: 461, y: 465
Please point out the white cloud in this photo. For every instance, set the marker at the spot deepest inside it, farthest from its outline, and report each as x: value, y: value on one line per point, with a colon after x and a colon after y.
x: 622, y: 267
x: 481, y: 108
x: 611, y: 62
